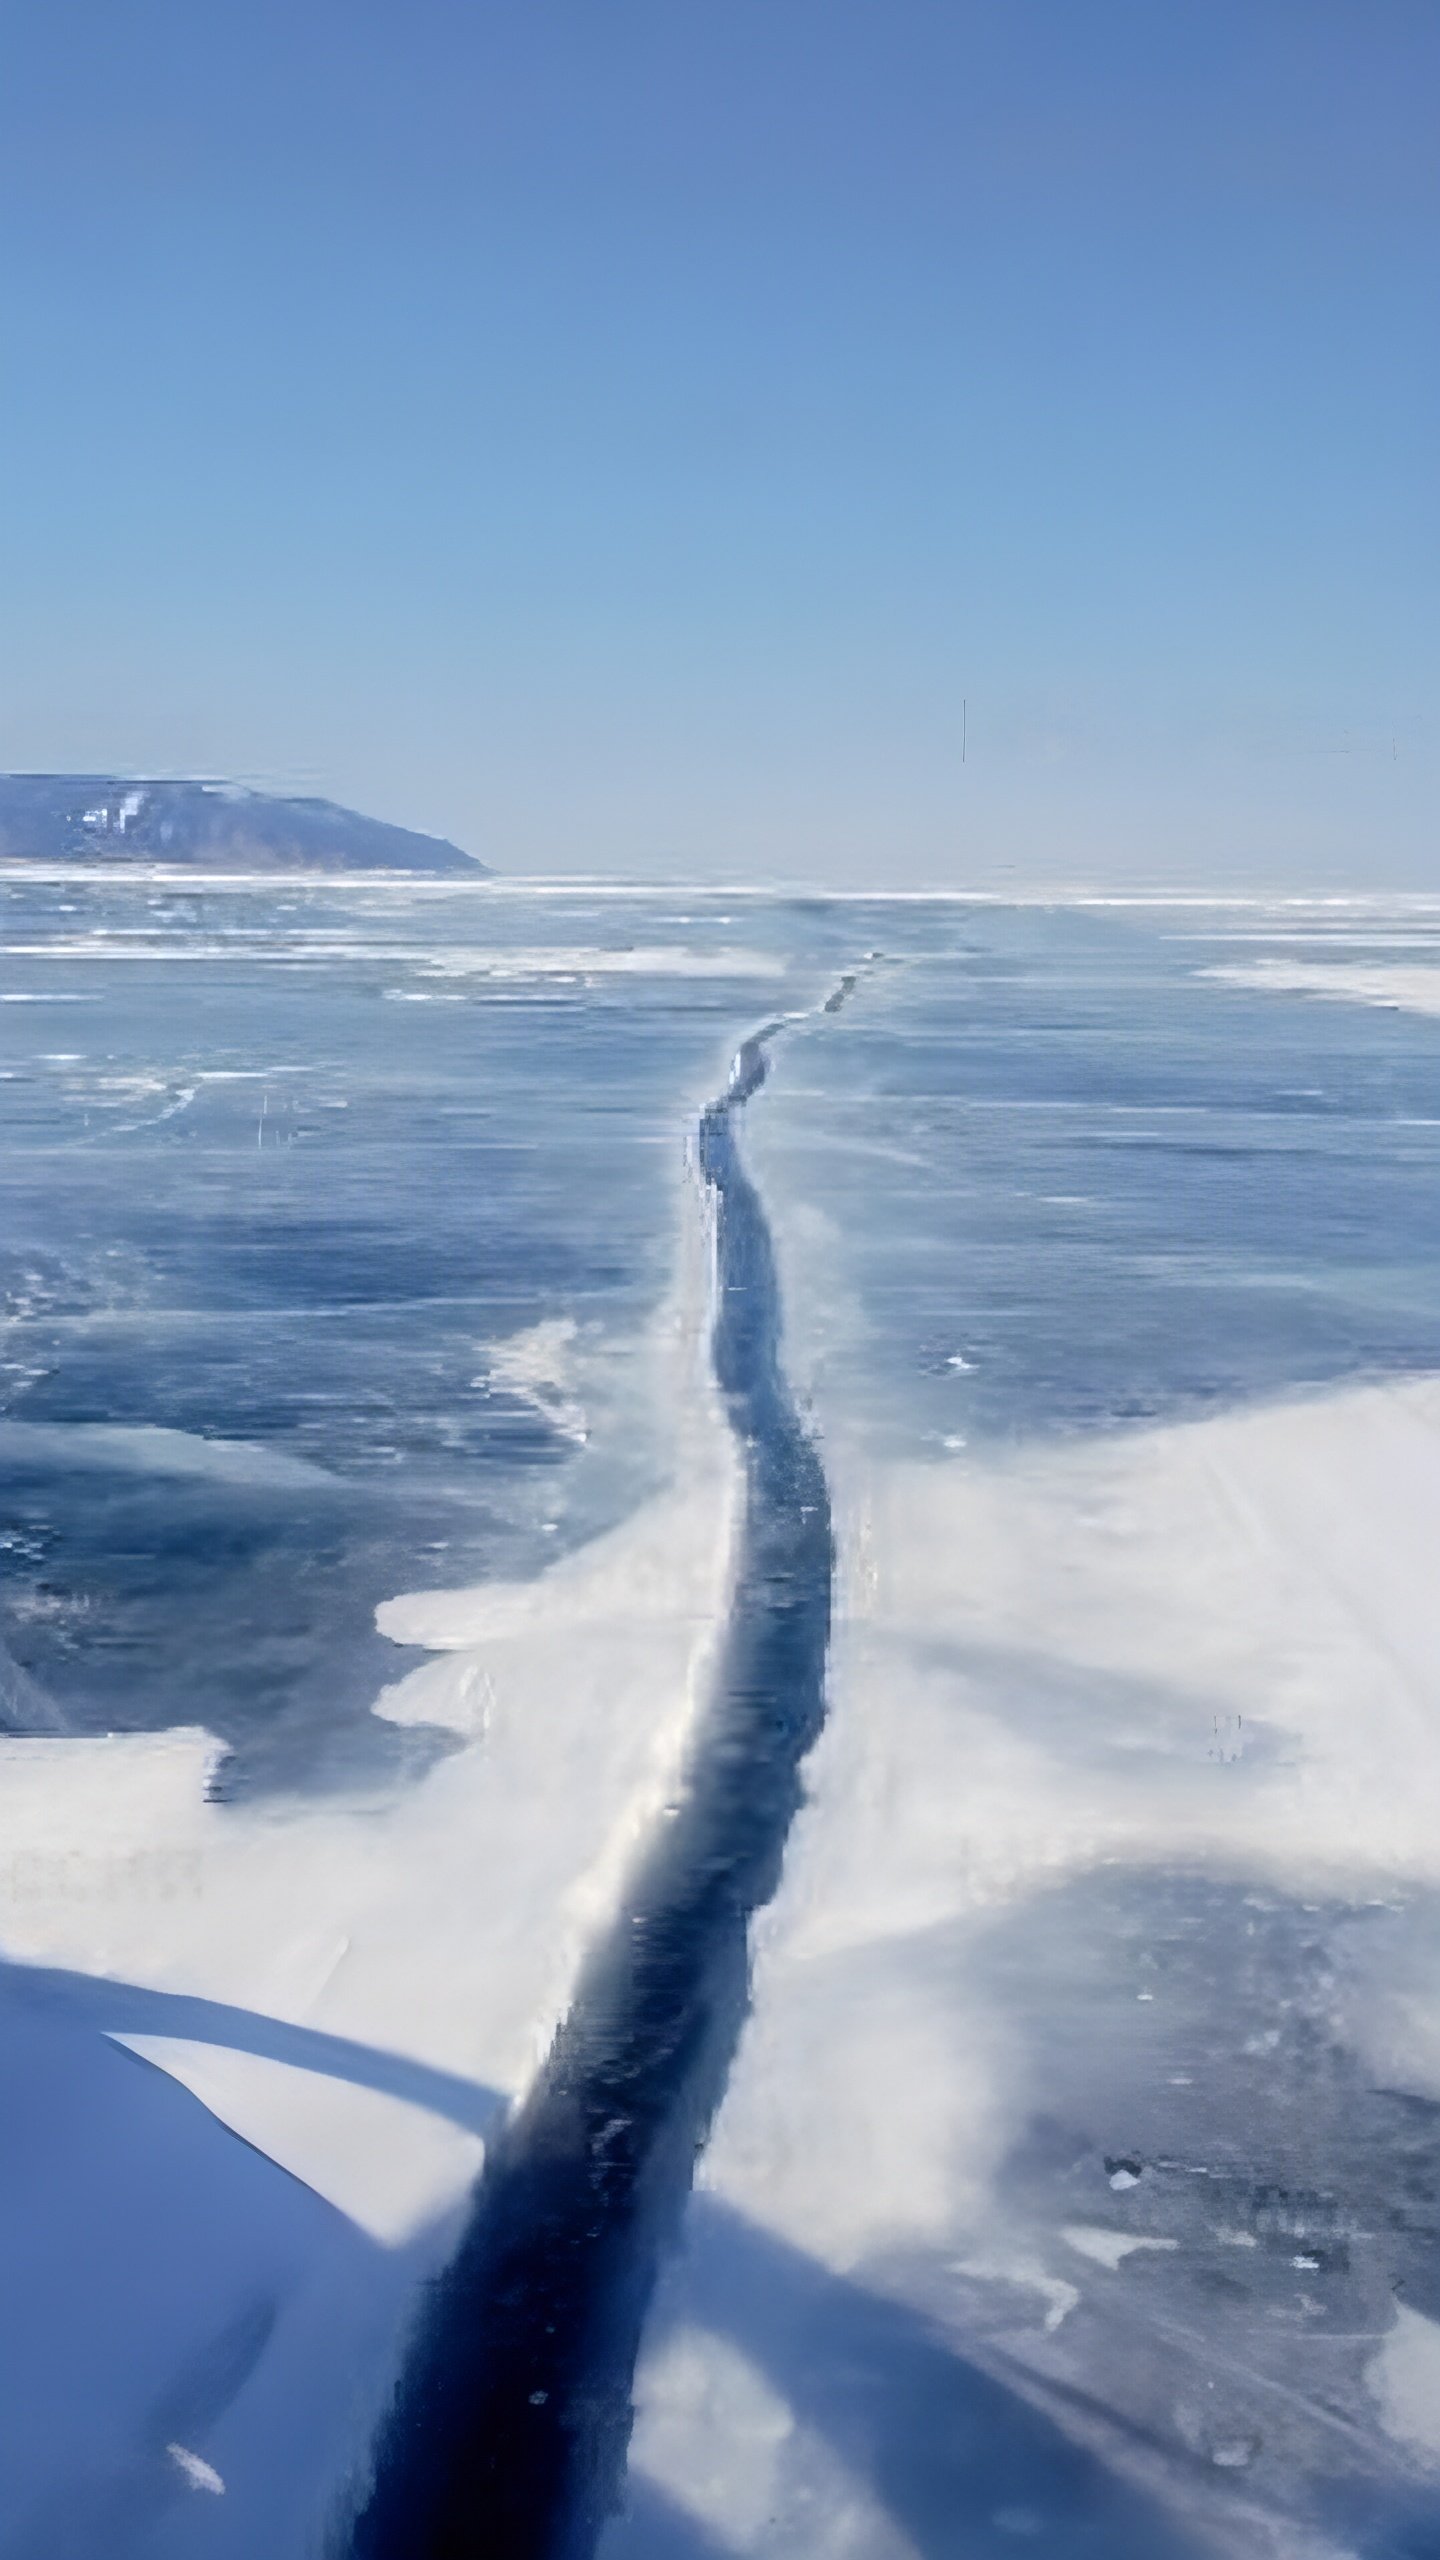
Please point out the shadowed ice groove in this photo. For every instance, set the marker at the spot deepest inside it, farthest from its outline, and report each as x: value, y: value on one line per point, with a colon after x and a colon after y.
x: 512, y: 2420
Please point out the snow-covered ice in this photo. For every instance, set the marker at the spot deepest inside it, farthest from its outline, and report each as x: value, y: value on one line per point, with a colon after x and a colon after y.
x: 1071, y: 2181
x: 1405, y: 986
x: 352, y: 1986
x: 1211, y: 1650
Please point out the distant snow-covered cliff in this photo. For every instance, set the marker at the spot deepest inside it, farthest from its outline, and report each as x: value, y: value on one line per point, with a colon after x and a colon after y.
x: 205, y: 826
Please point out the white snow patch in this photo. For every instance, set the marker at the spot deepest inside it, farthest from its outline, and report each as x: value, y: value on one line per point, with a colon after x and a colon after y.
x: 538, y: 1366
x: 150, y: 1448
x: 1401, y: 986
x: 291, y: 947
x: 379, y: 2158
x: 720, y: 2442
x: 706, y: 2398
x: 1404, y: 2380
x: 1108, y: 2248
x: 200, y: 2473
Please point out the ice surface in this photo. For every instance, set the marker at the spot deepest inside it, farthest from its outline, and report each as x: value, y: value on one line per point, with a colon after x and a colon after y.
x: 1410, y: 986
x: 1061, y: 1680
x: 1084, y: 2142
x: 277, y: 1257
x: 147, y: 1448
x: 1074, y: 2189
x: 431, y: 1936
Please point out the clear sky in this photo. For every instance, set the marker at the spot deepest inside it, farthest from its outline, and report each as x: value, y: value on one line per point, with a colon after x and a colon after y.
x: 623, y: 434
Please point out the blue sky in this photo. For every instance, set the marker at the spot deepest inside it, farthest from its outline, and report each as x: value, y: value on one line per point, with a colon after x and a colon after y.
x: 623, y: 436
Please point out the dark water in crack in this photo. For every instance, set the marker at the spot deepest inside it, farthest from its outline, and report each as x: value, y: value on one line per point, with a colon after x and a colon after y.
x: 511, y: 2425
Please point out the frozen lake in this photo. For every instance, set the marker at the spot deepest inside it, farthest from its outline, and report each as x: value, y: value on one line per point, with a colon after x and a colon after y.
x: 1075, y: 2186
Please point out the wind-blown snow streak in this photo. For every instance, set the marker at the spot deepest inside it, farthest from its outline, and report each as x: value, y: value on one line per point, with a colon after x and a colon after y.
x: 24, y: 1705
x: 512, y: 2421
x: 1404, y: 986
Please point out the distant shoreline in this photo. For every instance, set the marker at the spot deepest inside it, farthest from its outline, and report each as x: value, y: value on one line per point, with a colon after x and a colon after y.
x: 196, y: 875
x: 125, y: 822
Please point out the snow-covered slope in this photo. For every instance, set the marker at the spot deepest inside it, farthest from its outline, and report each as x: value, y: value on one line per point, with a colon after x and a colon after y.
x: 98, y: 818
